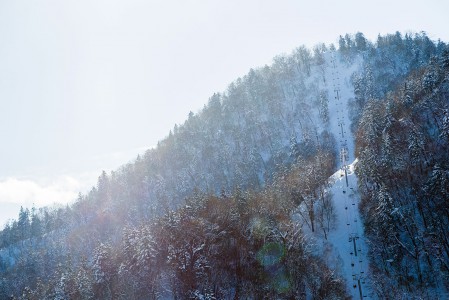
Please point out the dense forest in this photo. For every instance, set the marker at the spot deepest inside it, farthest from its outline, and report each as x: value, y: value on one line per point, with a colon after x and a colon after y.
x: 207, y: 214
x: 402, y: 145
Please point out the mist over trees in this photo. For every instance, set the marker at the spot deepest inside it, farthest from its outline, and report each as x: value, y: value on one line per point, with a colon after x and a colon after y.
x: 207, y: 213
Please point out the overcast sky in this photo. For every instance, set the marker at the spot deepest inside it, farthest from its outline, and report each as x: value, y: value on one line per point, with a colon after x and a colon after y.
x: 86, y: 85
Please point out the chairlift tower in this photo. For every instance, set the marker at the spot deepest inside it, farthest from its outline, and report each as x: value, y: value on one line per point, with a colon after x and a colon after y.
x: 340, y: 124
x: 353, y: 239
x: 344, y: 158
x: 359, y: 280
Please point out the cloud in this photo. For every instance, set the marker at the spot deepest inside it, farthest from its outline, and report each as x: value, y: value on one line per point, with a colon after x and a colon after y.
x: 63, y: 189
x: 28, y: 192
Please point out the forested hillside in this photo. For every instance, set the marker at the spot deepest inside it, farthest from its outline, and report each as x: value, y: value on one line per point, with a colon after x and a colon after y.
x: 207, y: 213
x: 402, y: 145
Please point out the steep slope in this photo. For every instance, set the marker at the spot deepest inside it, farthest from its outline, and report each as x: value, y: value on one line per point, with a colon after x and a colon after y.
x: 343, y: 245
x: 346, y: 247
x: 280, y: 123
x: 403, y: 146
x: 348, y: 239
x: 258, y: 128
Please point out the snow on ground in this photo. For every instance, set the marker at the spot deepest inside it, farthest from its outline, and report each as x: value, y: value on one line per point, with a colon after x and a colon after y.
x: 345, y: 247
x: 347, y: 241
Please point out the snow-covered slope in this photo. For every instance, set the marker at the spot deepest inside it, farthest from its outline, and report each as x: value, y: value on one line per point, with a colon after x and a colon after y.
x: 344, y: 248
x: 347, y: 240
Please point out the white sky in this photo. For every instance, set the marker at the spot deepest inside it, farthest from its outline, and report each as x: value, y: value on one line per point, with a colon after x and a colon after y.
x: 85, y: 85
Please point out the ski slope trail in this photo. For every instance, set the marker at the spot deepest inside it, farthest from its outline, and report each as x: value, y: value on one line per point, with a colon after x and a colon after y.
x: 344, y: 247
x: 347, y: 241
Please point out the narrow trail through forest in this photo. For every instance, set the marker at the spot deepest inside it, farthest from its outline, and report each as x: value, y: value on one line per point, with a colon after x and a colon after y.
x: 346, y: 243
